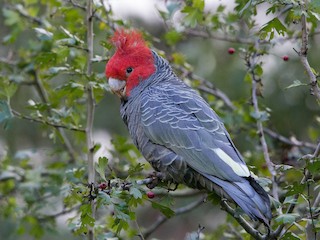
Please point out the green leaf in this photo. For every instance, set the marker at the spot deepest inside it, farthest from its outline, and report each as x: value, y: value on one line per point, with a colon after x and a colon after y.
x: 55, y: 70
x: 106, y: 199
x: 214, y: 198
x: 168, y: 212
x: 66, y: 41
x: 199, y: 4
x: 172, y: 7
x: 271, y: 26
x: 70, y: 35
x: 316, y: 15
x: 248, y: 78
x: 45, y: 59
x: 5, y: 113
x: 248, y: 4
x: 296, y: 83
x: 294, y: 188
x: 282, y: 167
x: 313, y: 165
x: 87, y: 220
x: 290, y: 236
x: 43, y: 34
x: 194, y: 13
x: 134, y: 169
x: 178, y: 58
x: 261, y: 115
x: 192, y: 18
x: 10, y: 88
x: 120, y: 214
x: 258, y: 70
x: 11, y: 17
x: 290, y: 200
x: 135, y: 192
x: 101, y: 167
x: 106, y: 44
x: 287, y: 218
x: 172, y: 37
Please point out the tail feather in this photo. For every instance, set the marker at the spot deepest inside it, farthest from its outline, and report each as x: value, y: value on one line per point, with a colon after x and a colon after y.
x: 250, y: 197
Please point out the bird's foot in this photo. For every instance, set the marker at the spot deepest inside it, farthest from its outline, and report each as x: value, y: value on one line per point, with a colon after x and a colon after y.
x: 155, y: 177
x: 174, y: 188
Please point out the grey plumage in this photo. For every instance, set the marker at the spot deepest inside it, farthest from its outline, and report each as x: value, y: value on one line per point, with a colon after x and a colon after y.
x: 182, y: 137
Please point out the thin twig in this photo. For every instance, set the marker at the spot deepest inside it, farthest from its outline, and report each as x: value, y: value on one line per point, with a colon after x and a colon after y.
x: 207, y: 34
x: 315, y: 90
x: 44, y: 97
x: 8, y: 61
x: 251, y: 65
x: 24, y: 14
x: 293, y: 142
x: 58, y: 214
x: 249, y: 229
x: 90, y: 108
x: 219, y: 94
x: 225, y: 38
x: 310, y: 228
x: 291, y: 207
x: 179, y: 211
x: 94, y: 14
x: 311, y: 231
x: 317, y: 151
x: 235, y: 231
x: 107, y: 14
x: 45, y: 122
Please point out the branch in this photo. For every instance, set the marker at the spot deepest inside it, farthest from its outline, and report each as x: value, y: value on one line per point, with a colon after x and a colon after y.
x: 105, y: 7
x: 219, y: 94
x: 94, y: 14
x: 311, y: 231
x: 207, y: 87
x: 24, y: 14
x: 247, y: 41
x: 207, y: 34
x: 293, y: 142
x: 8, y: 61
x: 291, y: 207
x: 162, y: 219
x: 251, y: 65
x: 310, y: 228
x: 45, y: 122
x: 317, y: 151
x: 315, y: 90
x: 58, y: 214
x: 90, y: 108
x: 44, y: 97
x: 249, y: 229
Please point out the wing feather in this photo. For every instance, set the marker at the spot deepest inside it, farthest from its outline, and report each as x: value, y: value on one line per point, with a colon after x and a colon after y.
x: 183, y: 122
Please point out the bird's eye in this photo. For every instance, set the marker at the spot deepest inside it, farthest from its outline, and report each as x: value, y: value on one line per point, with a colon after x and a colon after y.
x: 129, y: 70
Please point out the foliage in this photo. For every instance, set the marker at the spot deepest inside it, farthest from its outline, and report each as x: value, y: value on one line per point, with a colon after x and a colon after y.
x: 45, y: 83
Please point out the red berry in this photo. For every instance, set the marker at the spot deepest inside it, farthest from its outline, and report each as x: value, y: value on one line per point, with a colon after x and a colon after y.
x: 150, y: 194
x: 285, y: 58
x: 231, y: 50
x: 103, y: 185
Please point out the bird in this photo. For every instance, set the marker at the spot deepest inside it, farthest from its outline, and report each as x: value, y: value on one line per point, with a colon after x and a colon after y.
x: 176, y: 130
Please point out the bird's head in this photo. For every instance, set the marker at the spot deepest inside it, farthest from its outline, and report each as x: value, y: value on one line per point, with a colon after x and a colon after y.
x: 131, y: 63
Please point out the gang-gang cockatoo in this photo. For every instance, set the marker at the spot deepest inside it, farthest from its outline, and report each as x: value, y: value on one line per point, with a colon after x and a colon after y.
x: 176, y: 130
